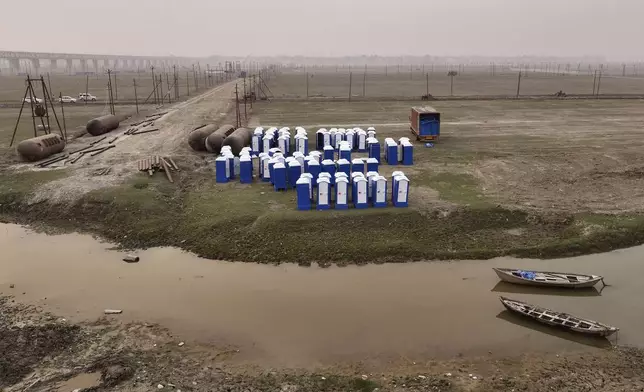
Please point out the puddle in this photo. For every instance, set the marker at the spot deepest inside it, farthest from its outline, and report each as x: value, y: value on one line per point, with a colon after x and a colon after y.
x: 81, y: 381
x: 295, y: 316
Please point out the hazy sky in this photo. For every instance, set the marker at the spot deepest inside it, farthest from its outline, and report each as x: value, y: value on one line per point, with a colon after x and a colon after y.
x: 613, y: 28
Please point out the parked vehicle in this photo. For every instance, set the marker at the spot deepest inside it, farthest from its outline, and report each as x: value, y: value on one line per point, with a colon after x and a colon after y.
x: 66, y: 99
x: 35, y: 100
x: 86, y: 97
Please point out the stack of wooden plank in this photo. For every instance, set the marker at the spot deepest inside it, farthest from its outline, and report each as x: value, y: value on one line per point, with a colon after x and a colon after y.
x: 157, y: 163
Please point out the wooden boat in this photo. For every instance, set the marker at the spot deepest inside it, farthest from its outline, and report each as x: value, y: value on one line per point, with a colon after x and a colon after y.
x: 544, y: 278
x: 558, y: 319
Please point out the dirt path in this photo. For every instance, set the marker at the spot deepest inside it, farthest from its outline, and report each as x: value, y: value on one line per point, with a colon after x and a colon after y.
x: 209, y: 107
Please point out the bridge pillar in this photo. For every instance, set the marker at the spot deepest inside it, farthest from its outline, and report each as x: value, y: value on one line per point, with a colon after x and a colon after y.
x: 83, y: 64
x: 35, y: 66
x: 70, y: 66
x: 15, y: 65
x: 95, y: 62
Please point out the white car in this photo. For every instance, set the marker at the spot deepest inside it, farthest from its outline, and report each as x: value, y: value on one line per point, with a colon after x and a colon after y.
x: 36, y: 100
x: 86, y: 97
x: 66, y: 99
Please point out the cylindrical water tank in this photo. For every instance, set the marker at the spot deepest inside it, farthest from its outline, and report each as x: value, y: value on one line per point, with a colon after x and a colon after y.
x: 197, y: 138
x: 103, y: 124
x: 215, y: 140
x: 40, y: 147
x: 239, y: 139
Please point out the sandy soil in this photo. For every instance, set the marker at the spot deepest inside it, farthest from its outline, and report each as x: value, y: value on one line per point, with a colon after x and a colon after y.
x: 181, y: 118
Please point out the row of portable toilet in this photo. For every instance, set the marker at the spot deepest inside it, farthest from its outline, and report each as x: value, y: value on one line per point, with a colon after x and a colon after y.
x: 228, y: 167
x: 401, y: 152
x: 355, y: 137
x: 263, y: 141
x: 365, y: 191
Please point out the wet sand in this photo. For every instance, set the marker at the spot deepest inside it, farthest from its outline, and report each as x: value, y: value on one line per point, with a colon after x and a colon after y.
x: 294, y: 316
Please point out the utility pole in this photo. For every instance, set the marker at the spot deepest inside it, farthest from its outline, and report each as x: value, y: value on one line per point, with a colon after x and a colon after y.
x: 136, y: 98
x: 167, y: 83
x: 116, y: 89
x: 87, y: 87
x: 364, y: 81
x: 594, y: 82
x: 519, y: 84
x: 350, y: 77
x: 599, y: 83
x: 194, y: 75
x: 188, y: 82
x: 427, y: 77
x: 307, y: 84
x: 154, y: 86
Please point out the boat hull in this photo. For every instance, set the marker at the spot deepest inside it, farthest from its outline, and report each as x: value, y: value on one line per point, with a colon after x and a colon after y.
x: 508, y: 277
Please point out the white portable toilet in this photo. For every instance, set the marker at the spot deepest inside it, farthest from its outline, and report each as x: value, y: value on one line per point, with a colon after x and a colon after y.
x: 356, y: 174
x: 350, y: 138
x: 341, y: 175
x: 332, y: 136
x: 317, y: 155
x: 400, y: 195
x: 271, y: 167
x: 361, y: 141
x: 284, y: 144
x: 371, y: 132
x: 245, y: 151
x: 300, y: 158
x: 267, y: 142
x: 339, y: 138
x: 256, y: 142
x: 263, y: 165
x: 341, y: 193
x: 379, y: 192
x: 303, y: 191
x: 301, y: 144
x: 326, y: 139
x: 323, y: 199
x: 371, y: 176
x: 230, y: 166
x: 359, y: 192
x: 319, y: 138
x: 308, y: 176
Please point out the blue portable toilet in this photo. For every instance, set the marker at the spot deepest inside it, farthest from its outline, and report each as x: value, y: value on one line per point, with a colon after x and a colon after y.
x: 361, y: 141
x: 341, y: 193
x: 302, y: 187
x: 279, y: 174
x: 401, y: 141
x: 256, y: 142
x: 300, y: 158
x: 371, y: 132
x: 357, y: 166
x: 245, y: 169
x: 379, y: 192
x: 329, y: 153
x: 309, y: 176
x: 230, y: 166
x: 391, y: 152
x: 326, y: 139
x: 307, y: 159
x: 294, y: 172
x: 340, y: 175
x: 374, y: 148
x: 284, y: 144
x: 359, y: 194
x: 372, y: 165
x: 339, y: 138
x: 407, y: 153
x: 319, y: 138
x: 344, y: 166
x: 400, y: 192
x: 324, y: 198
x: 314, y: 169
x: 273, y: 150
x: 328, y: 166
x: 371, y: 176
x: 271, y: 169
x: 221, y: 169
x: 345, y: 151
x: 264, y: 172
x: 332, y: 136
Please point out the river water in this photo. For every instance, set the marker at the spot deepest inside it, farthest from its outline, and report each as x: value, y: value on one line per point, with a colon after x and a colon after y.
x: 297, y: 316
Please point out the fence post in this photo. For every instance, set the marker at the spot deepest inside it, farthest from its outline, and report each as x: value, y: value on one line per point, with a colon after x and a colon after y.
x: 519, y: 84
x: 350, y: 77
x: 136, y: 98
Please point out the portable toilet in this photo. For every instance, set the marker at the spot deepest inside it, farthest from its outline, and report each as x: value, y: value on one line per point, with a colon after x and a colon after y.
x: 328, y: 153
x: 246, y: 169
x: 332, y: 136
x: 356, y: 174
x: 371, y: 176
x: 345, y: 151
x: 246, y: 151
x: 317, y: 155
x: 407, y: 153
x: 379, y: 192
x: 314, y: 169
x: 372, y: 165
x: 267, y: 142
x: 401, y: 141
x: 391, y: 152
x: 264, y: 171
x: 371, y: 132
x: 361, y: 141
x: 284, y: 144
x: 357, y: 165
x: 344, y: 166
x: 350, y: 138
x: 301, y: 144
x: 400, y: 192
x: 279, y: 176
x: 294, y: 172
x: 273, y: 150
x: 307, y: 159
x: 326, y: 139
x: 328, y: 166
x: 309, y: 176
x: 359, y: 192
x: 221, y: 169
x: 300, y: 158
x: 256, y: 141
x: 319, y: 138
x: 300, y: 131
x: 323, y: 199
x: 374, y: 148
x: 302, y: 188
x: 341, y: 175
x: 339, y: 138
x: 341, y: 193
x: 230, y: 165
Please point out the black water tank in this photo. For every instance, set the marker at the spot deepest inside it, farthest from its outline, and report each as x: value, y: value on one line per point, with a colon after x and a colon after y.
x: 215, y: 140
x: 104, y: 124
x: 238, y: 140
